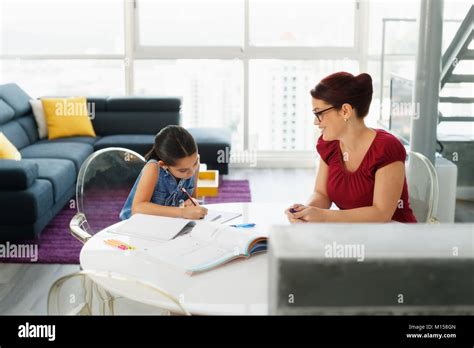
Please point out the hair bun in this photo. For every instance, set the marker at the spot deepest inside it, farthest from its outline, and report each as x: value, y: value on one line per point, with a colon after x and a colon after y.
x: 364, y: 81
x: 342, y: 87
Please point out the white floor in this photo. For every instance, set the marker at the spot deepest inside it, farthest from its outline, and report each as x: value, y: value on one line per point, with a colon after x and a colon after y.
x: 24, y: 287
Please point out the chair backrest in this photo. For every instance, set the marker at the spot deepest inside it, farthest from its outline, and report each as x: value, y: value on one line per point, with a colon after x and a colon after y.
x: 423, y: 186
x: 81, y: 293
x: 103, y: 184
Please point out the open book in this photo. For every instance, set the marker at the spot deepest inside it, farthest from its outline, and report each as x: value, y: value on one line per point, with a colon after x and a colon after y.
x: 193, y: 246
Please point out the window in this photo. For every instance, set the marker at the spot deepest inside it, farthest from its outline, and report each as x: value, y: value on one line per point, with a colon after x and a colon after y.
x: 453, y: 15
x: 302, y: 23
x: 211, y: 90
x: 268, y: 111
x: 400, y: 31
x: 71, y: 77
x: 393, y: 24
x: 246, y: 65
x: 58, y: 27
x: 66, y: 47
x: 191, y: 23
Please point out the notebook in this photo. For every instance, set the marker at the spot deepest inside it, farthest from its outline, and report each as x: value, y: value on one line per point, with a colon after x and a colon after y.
x: 192, y: 246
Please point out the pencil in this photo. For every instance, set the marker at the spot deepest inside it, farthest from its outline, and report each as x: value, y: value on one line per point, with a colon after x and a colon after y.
x: 189, y: 196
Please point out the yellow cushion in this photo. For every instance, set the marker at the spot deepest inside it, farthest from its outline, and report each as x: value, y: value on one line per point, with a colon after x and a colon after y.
x: 67, y: 117
x: 7, y: 149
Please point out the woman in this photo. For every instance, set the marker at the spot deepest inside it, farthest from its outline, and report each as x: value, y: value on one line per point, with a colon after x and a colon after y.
x: 361, y: 170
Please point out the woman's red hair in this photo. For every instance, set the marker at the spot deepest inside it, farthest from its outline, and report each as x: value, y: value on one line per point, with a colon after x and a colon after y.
x: 342, y: 87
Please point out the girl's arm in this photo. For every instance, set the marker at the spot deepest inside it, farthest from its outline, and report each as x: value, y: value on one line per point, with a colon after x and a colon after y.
x: 387, y: 191
x: 319, y: 198
x: 141, y: 202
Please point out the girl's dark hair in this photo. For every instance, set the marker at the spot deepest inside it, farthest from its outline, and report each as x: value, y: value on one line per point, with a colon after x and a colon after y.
x: 171, y: 144
x: 343, y: 87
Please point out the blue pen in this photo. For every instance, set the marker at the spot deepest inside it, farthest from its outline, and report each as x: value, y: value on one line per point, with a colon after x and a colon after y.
x: 243, y: 225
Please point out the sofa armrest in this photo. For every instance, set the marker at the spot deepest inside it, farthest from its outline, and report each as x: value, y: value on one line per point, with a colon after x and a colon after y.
x: 17, y: 175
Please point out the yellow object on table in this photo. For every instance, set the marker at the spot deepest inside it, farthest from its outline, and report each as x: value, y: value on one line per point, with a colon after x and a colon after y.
x: 208, y: 183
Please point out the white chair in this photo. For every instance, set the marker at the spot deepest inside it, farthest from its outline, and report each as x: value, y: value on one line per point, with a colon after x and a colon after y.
x: 104, y: 181
x: 423, y: 188
x: 80, y: 294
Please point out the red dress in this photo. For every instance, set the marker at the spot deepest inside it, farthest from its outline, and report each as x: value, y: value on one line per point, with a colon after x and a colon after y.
x: 349, y: 190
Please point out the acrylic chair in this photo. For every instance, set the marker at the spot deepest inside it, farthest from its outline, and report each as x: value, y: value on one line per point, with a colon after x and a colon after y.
x: 104, y: 181
x: 80, y: 294
x: 423, y: 188
x: 103, y: 184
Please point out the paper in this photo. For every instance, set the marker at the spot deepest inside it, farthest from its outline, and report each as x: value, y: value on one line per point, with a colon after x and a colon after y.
x: 220, y: 217
x: 153, y: 227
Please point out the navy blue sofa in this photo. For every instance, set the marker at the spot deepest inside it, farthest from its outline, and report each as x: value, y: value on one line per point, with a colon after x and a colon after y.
x: 34, y: 189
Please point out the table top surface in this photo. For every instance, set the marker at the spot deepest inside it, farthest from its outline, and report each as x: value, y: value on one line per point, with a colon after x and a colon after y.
x: 238, y: 287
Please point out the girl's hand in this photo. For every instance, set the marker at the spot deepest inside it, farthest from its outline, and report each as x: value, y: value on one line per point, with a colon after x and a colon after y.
x: 310, y: 214
x: 194, y: 213
x: 189, y: 203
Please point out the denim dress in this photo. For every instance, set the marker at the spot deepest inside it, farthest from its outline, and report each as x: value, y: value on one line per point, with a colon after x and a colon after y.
x: 167, y: 191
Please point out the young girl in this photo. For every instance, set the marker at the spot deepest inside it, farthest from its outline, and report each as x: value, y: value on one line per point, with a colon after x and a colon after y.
x: 172, y: 164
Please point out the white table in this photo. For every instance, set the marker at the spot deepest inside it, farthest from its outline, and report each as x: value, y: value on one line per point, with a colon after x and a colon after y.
x: 239, y: 287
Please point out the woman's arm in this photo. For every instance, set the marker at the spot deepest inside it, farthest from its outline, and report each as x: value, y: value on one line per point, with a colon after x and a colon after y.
x: 319, y: 198
x: 141, y: 202
x: 387, y: 191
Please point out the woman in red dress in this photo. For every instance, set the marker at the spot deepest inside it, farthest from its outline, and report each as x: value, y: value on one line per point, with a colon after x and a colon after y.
x: 361, y: 170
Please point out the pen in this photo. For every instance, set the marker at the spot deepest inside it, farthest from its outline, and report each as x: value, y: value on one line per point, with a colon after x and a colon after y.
x: 243, y: 225
x: 189, y: 196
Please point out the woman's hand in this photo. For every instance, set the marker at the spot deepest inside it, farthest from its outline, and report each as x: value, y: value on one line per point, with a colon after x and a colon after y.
x: 309, y: 214
x: 194, y: 213
x: 189, y: 203
x: 296, y: 208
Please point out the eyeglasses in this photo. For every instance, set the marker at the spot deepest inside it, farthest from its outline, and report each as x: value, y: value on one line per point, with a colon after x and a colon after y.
x: 319, y: 113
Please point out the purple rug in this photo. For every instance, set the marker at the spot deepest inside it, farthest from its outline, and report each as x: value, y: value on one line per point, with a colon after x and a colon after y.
x: 57, y: 245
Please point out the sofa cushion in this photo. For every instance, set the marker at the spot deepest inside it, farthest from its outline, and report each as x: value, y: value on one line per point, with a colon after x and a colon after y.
x: 72, y: 151
x: 139, y: 104
x: 29, y: 126
x: 16, y: 98
x: 17, y: 175
x: 97, y: 103
x: 132, y: 122
x: 16, y: 134
x: 60, y: 172
x: 8, y: 150
x: 141, y: 143
x: 66, y: 117
x: 81, y: 140
x: 26, y: 206
x: 6, y: 112
x: 210, y: 141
